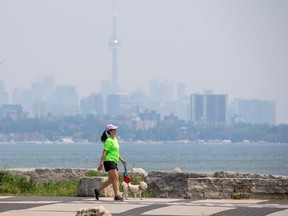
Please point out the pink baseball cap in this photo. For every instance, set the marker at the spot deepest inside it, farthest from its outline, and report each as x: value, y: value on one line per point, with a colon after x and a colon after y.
x: 111, y: 127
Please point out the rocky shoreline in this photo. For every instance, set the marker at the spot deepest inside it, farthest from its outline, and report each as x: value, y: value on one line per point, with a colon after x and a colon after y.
x: 176, y: 184
x: 220, y: 185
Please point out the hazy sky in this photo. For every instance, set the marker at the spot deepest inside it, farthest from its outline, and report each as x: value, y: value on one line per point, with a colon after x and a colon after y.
x: 234, y: 47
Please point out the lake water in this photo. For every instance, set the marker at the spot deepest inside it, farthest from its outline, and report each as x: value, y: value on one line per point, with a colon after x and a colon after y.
x: 261, y: 158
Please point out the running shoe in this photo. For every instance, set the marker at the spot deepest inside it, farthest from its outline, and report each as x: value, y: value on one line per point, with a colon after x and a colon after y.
x: 96, y: 194
x: 118, y: 198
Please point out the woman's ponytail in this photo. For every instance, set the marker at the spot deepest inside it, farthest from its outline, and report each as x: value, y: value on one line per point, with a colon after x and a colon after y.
x: 104, y: 136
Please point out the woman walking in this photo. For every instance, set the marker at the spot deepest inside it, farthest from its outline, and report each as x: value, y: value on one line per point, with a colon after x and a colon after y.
x: 109, y: 159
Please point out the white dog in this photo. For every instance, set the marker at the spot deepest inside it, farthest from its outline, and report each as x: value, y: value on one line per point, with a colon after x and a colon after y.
x: 135, y: 189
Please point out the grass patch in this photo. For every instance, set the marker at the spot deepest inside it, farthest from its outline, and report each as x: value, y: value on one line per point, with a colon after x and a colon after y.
x: 59, y: 188
x: 238, y: 196
x: 23, y: 185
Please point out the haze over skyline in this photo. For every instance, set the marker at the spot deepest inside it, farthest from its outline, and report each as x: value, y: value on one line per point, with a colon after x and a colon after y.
x: 239, y: 48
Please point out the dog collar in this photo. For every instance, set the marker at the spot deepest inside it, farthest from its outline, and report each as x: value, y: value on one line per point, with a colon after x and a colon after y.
x: 140, y: 188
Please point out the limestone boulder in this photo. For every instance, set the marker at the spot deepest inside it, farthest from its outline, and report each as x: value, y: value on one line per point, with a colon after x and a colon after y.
x: 87, y: 185
x: 97, y: 211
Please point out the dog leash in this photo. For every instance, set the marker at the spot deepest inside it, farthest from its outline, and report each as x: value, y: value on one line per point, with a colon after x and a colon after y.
x: 127, y: 179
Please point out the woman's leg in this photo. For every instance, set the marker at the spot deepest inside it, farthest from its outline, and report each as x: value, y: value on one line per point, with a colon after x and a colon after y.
x: 112, y: 179
x: 115, y: 183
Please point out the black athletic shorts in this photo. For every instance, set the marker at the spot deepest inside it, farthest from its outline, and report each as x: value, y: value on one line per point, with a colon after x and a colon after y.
x: 109, y: 165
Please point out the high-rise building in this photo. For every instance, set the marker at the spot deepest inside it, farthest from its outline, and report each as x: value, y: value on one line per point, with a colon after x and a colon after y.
x: 166, y: 91
x: 92, y: 104
x: 183, y: 102
x: 253, y: 111
x: 154, y: 90
x: 139, y: 98
x: 65, y: 101
x: 161, y: 96
x: 181, y: 91
x: 113, y: 105
x: 4, y: 96
x: 105, y: 89
x: 208, y: 108
x: 48, y: 87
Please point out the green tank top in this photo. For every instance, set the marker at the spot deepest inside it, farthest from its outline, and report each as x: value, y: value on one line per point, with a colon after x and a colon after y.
x: 112, y: 148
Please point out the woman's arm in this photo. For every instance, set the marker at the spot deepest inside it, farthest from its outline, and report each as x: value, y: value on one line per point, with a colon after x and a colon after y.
x: 122, y: 160
x: 102, y: 160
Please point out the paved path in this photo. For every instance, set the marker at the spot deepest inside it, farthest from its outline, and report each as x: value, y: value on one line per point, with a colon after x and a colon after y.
x: 63, y: 206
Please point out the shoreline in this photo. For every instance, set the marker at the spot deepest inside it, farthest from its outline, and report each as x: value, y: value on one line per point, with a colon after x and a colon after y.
x: 230, y: 174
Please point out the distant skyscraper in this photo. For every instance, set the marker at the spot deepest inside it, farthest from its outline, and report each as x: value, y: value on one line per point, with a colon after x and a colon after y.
x: 166, y: 91
x: 160, y: 91
x: 65, y: 101
x: 114, y: 44
x: 181, y: 91
x: 92, y: 104
x: 208, y: 108
x: 113, y: 105
x: 253, y: 111
x: 48, y: 87
x: 154, y: 90
x: 4, y: 97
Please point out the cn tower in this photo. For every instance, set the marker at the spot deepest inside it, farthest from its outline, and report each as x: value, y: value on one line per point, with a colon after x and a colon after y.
x: 114, y: 44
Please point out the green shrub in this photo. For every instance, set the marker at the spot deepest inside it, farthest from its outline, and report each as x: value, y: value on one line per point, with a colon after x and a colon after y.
x: 93, y: 173
x: 25, y: 185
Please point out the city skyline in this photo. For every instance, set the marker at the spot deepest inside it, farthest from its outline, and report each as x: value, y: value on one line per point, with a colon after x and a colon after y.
x: 45, y: 97
x: 236, y: 48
